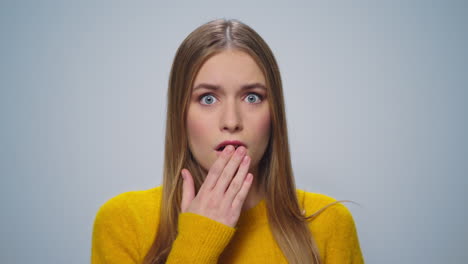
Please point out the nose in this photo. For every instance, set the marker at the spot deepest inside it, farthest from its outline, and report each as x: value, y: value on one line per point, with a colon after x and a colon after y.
x: 231, y: 119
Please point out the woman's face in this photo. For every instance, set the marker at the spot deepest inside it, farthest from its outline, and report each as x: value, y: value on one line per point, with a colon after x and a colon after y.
x: 228, y: 102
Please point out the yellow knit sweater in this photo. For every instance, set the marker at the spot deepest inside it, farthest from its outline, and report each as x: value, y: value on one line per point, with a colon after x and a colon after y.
x: 125, y: 227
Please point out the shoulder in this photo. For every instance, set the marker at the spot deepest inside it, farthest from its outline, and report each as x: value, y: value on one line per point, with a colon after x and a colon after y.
x: 333, y: 228
x: 129, y: 203
x: 327, y: 208
x: 125, y: 225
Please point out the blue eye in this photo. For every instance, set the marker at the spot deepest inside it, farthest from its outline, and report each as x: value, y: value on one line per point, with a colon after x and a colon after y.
x: 208, y: 99
x: 253, y: 98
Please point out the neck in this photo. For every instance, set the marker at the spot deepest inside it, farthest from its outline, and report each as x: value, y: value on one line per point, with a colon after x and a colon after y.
x: 255, y: 194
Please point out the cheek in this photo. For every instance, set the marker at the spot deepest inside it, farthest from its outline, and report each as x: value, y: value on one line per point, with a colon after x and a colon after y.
x: 264, y: 123
x: 261, y: 135
x: 197, y: 129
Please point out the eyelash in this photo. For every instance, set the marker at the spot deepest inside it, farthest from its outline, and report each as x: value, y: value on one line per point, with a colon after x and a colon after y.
x: 206, y: 94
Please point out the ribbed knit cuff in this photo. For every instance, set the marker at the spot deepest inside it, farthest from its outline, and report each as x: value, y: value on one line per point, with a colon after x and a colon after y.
x: 200, y: 239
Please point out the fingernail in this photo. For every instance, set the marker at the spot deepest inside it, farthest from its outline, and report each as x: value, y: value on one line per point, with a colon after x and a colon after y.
x: 241, y: 150
x: 249, y: 177
x: 183, y: 175
x: 229, y: 149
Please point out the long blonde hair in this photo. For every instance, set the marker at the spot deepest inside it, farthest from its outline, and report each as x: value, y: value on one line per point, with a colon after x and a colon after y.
x: 288, y: 225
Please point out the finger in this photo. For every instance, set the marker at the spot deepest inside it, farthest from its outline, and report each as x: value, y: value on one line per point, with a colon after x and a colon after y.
x: 242, y: 194
x: 188, y: 190
x: 230, y: 170
x: 238, y: 181
x: 217, y: 168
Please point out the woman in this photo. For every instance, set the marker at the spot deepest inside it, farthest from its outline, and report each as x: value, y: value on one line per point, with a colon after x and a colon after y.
x: 236, y: 201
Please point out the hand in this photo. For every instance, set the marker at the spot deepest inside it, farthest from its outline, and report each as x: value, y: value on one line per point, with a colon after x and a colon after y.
x: 219, y: 198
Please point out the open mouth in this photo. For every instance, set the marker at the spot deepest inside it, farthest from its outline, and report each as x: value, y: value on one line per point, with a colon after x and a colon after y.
x: 223, y: 147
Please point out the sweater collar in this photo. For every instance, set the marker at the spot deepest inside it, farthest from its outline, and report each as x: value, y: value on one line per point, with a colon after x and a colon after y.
x: 253, y: 216
x: 258, y: 214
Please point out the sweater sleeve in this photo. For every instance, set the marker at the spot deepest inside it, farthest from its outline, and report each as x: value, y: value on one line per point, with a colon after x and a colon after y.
x: 114, y: 239
x: 343, y: 246
x: 199, y: 240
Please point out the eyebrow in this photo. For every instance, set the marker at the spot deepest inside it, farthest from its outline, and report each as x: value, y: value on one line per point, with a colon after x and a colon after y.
x: 217, y: 87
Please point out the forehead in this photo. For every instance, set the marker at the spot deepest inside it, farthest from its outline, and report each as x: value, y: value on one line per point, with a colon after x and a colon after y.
x: 230, y: 68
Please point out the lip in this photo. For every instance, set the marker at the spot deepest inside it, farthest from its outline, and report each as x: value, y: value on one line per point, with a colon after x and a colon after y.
x: 230, y: 142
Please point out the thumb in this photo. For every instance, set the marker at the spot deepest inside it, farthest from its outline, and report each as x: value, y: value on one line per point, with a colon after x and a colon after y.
x: 188, y: 190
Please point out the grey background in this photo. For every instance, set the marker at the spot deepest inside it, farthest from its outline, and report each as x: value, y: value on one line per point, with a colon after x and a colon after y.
x: 375, y: 98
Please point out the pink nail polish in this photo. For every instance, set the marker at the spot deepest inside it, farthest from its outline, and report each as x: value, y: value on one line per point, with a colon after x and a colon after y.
x: 249, y: 178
